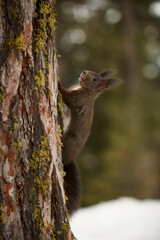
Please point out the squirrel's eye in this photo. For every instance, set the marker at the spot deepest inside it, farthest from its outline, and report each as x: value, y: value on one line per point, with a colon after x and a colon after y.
x: 94, y: 79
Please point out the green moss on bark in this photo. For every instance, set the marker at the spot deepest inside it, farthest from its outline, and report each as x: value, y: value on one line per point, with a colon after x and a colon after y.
x: 1, y: 94
x: 39, y: 164
x: 43, y: 42
x: 45, y: 21
x: 15, y: 43
x: 2, y: 220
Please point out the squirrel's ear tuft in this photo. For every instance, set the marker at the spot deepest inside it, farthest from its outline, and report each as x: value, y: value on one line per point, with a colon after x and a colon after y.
x: 109, y: 83
x: 106, y: 73
x: 112, y: 83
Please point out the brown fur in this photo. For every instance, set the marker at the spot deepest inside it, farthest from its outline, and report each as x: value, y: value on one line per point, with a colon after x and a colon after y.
x: 81, y: 104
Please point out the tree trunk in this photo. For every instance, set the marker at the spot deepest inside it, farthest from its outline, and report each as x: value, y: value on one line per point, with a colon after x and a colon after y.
x: 130, y: 35
x: 32, y: 199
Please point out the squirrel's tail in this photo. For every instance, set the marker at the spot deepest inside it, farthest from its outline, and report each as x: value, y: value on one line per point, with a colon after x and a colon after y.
x: 72, y: 186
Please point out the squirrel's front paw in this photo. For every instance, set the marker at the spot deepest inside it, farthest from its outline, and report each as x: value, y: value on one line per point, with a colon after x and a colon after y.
x: 59, y: 84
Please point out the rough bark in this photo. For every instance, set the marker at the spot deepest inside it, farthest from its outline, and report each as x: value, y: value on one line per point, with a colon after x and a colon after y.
x: 32, y: 199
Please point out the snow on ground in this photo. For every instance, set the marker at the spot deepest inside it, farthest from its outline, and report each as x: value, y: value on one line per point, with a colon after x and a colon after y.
x: 121, y: 219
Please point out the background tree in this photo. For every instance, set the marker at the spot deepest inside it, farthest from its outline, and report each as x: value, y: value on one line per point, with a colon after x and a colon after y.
x: 32, y: 199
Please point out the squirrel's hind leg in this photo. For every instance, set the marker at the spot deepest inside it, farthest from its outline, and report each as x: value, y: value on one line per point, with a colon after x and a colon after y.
x: 70, y: 148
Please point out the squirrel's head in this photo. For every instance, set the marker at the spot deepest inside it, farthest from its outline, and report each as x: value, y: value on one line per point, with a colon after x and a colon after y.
x: 98, y: 81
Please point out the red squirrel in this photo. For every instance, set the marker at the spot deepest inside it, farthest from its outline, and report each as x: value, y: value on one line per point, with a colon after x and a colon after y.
x: 80, y: 99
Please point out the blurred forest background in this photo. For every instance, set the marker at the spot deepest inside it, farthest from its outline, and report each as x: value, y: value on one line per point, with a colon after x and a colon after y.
x: 122, y: 155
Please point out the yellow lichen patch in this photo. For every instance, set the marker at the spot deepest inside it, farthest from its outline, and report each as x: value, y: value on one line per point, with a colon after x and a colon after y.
x: 63, y: 173
x: 45, y: 20
x: 48, y: 93
x: 40, y: 80
x: 15, y: 44
x: 43, y: 184
x: 59, y: 233
x: 14, y: 125
x: 42, y: 84
x: 17, y: 198
x: 53, y: 236
x: 47, y: 64
x: 1, y: 94
x: 65, y: 226
x: 60, y: 134
x: 67, y: 211
x: 59, y: 130
x: 52, y: 232
x: 15, y: 7
x: 39, y: 164
x: 60, y: 105
x: 37, y: 216
x: 19, y: 43
x: 2, y: 219
x: 17, y: 145
x: 66, y: 198
x: 43, y: 40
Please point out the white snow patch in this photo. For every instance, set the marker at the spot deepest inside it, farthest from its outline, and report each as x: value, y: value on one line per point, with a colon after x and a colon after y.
x: 121, y: 219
